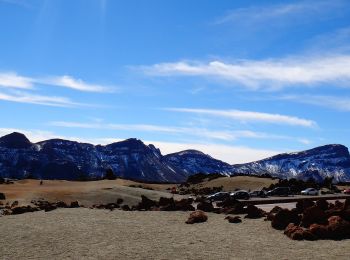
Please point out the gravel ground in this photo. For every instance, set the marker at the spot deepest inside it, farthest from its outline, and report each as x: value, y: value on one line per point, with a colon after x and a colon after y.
x: 101, y: 234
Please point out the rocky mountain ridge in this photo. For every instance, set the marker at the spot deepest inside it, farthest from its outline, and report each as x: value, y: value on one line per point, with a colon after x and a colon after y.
x: 132, y: 159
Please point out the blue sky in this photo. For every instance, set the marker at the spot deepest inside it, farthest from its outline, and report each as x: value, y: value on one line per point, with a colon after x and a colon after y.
x: 240, y: 80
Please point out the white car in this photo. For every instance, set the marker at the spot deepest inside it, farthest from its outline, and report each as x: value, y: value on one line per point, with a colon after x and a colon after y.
x: 309, y: 191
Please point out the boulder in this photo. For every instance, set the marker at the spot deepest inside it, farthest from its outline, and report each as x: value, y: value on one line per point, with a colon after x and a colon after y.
x: 313, y: 215
x: 285, y: 216
x: 235, y: 219
x: 301, y: 205
x: 74, y: 204
x: 298, y: 233
x: 228, y: 203
x: 146, y: 203
x: 125, y: 208
x: 167, y: 204
x: 184, y: 205
x: 2, y: 196
x: 254, y: 212
x: 338, y: 228
x: 320, y: 231
x: 120, y: 201
x: 197, y: 216
x: 23, y: 209
x: 205, y: 206
x: 322, y: 204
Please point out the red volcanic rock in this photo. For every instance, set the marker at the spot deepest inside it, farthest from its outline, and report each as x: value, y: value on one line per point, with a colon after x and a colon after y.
x: 284, y: 217
x: 313, y: 215
x: 235, y: 219
x: 254, y: 212
x: 23, y: 209
x: 205, y: 206
x: 298, y: 233
x: 321, y: 231
x: 322, y: 204
x: 338, y: 228
x: 197, y: 216
x: 74, y: 204
x: 184, y: 205
x: 125, y: 208
x: 304, y: 204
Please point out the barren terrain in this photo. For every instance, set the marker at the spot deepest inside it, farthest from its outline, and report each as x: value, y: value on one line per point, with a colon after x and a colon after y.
x: 101, y: 234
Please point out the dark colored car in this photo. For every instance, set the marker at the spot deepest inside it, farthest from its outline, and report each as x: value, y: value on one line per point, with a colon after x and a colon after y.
x: 219, y: 196
x: 240, y: 195
x: 258, y: 193
x: 279, y: 191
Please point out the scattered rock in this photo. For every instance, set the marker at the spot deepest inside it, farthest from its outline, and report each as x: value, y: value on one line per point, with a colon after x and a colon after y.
x: 301, y: 205
x: 285, y: 216
x: 254, y: 212
x: 313, y: 215
x: 205, y: 206
x: 74, y: 204
x: 235, y: 219
x: 126, y: 208
x: 197, y: 216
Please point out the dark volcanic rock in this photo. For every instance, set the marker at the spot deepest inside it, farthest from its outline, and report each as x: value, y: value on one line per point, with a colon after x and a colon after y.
x: 197, y: 216
x: 2, y: 196
x: 235, y: 219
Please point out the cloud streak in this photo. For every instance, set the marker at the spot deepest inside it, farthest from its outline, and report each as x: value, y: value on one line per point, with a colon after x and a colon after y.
x: 249, y: 116
x: 13, y: 80
x: 189, y: 131
x: 258, y: 14
x: 268, y: 74
x: 332, y: 102
x: 24, y: 97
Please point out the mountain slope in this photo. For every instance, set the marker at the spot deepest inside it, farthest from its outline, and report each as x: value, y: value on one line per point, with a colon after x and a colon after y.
x: 318, y: 163
x: 193, y: 161
x: 62, y: 159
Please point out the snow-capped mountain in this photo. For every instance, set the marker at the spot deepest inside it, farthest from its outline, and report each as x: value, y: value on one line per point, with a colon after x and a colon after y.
x: 62, y: 159
x: 193, y: 161
x: 318, y: 163
x: 132, y: 159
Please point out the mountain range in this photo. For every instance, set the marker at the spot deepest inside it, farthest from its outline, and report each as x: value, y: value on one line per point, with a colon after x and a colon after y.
x: 132, y: 159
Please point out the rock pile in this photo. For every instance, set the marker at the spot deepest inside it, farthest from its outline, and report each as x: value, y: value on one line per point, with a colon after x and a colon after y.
x: 15, y: 209
x: 312, y: 221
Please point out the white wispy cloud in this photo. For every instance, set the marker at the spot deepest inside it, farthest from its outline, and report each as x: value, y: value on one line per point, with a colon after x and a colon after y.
x: 332, y: 102
x: 191, y: 131
x: 73, y: 83
x: 268, y: 74
x: 13, y: 80
x: 24, y: 97
x: 305, y: 10
x: 249, y: 116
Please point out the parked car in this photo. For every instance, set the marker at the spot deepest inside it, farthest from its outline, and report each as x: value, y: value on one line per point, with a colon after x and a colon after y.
x: 346, y: 191
x: 219, y: 196
x: 309, y: 191
x: 279, y: 191
x: 258, y: 193
x: 240, y: 195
